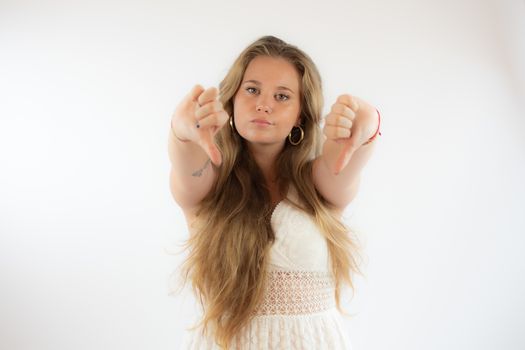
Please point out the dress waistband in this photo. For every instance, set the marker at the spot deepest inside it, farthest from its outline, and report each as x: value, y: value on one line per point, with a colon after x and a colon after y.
x: 293, y: 292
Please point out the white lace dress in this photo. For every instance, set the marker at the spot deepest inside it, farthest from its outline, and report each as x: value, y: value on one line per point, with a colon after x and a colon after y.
x: 298, y: 311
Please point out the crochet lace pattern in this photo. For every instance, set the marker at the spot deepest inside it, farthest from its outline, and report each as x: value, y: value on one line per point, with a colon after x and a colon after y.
x: 297, y: 292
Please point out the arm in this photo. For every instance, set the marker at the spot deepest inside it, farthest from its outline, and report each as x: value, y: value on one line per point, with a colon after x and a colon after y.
x: 351, y: 139
x: 191, y: 175
x: 340, y: 189
x: 191, y: 147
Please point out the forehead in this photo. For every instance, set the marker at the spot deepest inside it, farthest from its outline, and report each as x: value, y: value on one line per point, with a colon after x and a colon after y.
x: 272, y: 71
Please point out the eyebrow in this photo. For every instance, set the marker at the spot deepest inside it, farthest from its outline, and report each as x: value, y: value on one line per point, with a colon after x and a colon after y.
x: 256, y: 82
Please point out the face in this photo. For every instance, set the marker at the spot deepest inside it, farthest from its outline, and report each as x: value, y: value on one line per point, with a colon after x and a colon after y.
x: 267, y: 104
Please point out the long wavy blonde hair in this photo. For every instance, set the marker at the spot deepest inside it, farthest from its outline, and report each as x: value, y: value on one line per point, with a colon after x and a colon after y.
x: 229, y: 242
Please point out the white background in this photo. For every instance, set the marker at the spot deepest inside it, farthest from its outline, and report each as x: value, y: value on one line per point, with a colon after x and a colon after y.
x: 87, y: 219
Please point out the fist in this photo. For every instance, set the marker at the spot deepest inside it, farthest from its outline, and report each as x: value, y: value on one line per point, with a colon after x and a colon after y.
x: 350, y: 123
x: 198, y: 117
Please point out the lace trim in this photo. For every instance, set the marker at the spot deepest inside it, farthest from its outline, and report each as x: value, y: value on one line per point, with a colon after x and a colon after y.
x: 297, y: 292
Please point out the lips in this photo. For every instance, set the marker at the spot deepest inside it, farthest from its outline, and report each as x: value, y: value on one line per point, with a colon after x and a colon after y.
x: 261, y: 121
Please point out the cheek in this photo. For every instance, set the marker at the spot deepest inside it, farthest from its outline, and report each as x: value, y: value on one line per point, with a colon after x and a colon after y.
x: 238, y: 102
x: 294, y: 113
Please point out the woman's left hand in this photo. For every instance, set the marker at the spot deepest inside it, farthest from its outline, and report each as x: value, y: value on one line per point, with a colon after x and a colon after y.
x: 350, y: 123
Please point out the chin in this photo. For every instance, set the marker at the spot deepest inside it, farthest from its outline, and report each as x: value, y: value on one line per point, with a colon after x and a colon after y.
x: 261, y: 139
x: 258, y: 141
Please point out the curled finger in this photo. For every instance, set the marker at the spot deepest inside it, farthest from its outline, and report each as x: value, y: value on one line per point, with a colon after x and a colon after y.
x: 336, y: 132
x: 349, y: 100
x: 334, y: 119
x: 215, y: 119
x: 343, y: 110
x: 209, y: 108
x: 208, y: 95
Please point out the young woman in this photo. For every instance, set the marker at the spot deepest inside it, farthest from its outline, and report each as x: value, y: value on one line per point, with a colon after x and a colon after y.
x: 263, y: 194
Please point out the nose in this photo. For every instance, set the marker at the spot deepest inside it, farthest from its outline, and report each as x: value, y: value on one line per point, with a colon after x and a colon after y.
x: 266, y: 109
x: 263, y: 104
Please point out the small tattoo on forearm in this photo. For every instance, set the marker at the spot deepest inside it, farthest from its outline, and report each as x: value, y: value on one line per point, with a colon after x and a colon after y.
x: 199, y: 172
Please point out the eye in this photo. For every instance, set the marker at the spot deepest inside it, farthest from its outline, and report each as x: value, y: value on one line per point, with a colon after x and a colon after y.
x: 286, y: 97
x: 281, y: 97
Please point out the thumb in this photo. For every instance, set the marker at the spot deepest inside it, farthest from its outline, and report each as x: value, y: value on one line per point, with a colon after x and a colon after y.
x: 210, y: 148
x: 346, y: 153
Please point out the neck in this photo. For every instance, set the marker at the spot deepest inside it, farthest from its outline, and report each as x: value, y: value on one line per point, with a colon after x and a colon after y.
x: 265, y: 155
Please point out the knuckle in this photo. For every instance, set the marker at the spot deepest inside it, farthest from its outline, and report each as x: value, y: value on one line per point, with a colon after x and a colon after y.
x: 201, y: 112
x: 336, y: 107
x: 344, y: 97
x: 210, y: 108
x: 204, y: 122
x: 347, y: 99
x: 198, y: 114
x: 212, y: 119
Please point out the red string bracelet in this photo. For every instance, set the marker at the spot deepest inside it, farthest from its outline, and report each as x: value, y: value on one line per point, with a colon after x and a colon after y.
x: 377, y: 131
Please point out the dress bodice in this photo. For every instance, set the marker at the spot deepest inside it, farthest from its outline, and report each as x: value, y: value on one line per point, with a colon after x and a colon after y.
x: 299, y: 275
x: 299, y: 244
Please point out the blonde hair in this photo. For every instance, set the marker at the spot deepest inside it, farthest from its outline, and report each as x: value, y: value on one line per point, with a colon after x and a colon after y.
x: 229, y: 242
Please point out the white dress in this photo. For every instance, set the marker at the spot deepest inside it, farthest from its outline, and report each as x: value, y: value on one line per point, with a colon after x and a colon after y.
x: 298, y: 311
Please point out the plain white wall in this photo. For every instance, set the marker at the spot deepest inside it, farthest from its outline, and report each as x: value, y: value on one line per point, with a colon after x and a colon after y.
x: 86, y: 217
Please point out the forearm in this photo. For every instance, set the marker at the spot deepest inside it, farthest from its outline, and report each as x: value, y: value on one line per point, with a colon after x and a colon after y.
x: 187, y: 157
x: 192, y: 174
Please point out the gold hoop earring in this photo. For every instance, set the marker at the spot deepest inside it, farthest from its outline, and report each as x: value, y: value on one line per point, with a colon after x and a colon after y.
x: 290, y: 136
x: 231, y: 123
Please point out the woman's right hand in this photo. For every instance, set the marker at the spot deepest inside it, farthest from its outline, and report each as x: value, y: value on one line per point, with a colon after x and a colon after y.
x: 200, y: 107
